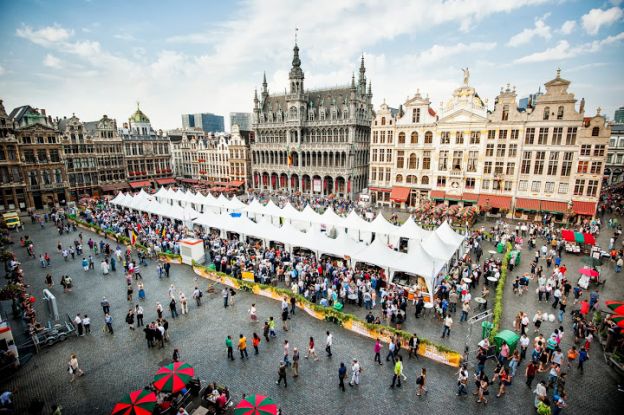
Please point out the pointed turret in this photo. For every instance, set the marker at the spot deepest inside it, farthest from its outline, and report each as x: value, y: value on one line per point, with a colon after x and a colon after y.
x: 352, y: 81
x: 296, y: 73
x: 362, y: 78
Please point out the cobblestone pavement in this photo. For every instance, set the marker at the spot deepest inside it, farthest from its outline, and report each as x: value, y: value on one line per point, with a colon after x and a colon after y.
x: 116, y: 364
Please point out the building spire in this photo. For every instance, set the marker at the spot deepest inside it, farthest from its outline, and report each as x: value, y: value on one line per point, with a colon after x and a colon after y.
x: 362, y: 78
x: 352, y: 81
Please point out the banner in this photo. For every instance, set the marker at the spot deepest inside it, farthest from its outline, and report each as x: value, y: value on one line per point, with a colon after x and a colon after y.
x: 248, y: 276
x: 316, y: 186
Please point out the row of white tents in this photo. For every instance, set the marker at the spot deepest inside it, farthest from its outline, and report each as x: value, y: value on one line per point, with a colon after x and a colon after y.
x: 429, y: 252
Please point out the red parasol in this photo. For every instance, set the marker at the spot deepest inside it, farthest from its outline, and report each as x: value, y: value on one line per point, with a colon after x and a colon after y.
x: 589, y: 272
x: 139, y: 402
x: 173, y: 377
x: 616, y: 306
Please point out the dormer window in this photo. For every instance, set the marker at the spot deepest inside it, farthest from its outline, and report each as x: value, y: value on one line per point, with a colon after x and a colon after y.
x: 595, y: 131
x: 546, y: 113
x: 416, y: 115
x: 505, y: 112
x: 560, y: 112
x: 383, y: 120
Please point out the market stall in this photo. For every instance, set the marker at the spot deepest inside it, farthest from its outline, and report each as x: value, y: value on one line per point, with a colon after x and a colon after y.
x: 577, y: 242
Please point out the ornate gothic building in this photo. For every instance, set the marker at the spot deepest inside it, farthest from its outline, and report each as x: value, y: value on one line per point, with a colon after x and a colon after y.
x: 312, y: 141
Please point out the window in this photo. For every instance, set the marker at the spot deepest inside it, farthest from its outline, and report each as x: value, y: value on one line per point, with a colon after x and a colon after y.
x: 540, y: 156
x: 595, y: 131
x: 383, y: 120
x: 507, y: 187
x: 426, y: 160
x: 485, y: 184
x: 428, y: 137
x: 414, y: 138
x: 382, y: 156
x: 375, y: 137
x: 563, y: 188
x: 441, y: 181
x: 475, y: 137
x: 457, y: 160
x: 553, y: 163
x: 413, y: 161
x: 571, y: 136
x: 411, y: 179
x: 401, y: 138
x: 459, y: 137
x: 387, y: 175
x: 487, y: 167
x: 549, y: 187
x: 566, y: 167
x: 425, y: 180
x: 470, y: 183
x: 399, y: 178
x: 579, y: 187
x: 557, y: 135
x: 400, y: 159
x: 373, y: 173
x: 586, y: 150
x: 390, y: 136
x: 496, y: 184
x: 529, y: 136
x: 382, y: 139
x: 510, y: 169
x: 542, y: 137
x: 592, y: 187
x: 374, y: 154
x: 500, y: 150
x: 502, y: 135
x: 515, y: 134
x: 445, y: 137
x: 416, y: 115
x: 473, y: 156
x: 525, y: 168
x: 498, y: 167
x: 489, y: 150
x: 535, y: 186
x: 513, y: 150
x: 505, y: 112
x: 443, y: 160
x: 389, y: 158
x: 599, y: 150
x: 523, y: 185
x: 491, y: 134
x: 546, y: 113
x: 596, y: 167
x: 560, y: 112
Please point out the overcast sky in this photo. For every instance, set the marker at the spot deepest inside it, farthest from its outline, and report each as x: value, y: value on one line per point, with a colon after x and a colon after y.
x: 100, y: 57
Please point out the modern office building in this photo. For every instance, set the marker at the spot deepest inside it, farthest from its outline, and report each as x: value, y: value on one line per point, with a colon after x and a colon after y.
x: 208, y: 122
x: 242, y: 119
x: 618, y: 116
x: 312, y: 141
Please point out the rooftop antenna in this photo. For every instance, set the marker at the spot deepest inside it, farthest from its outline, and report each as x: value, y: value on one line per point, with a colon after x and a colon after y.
x: 296, y: 30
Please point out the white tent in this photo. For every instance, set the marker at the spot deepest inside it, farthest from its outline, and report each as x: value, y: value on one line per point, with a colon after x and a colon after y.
x: 254, y: 209
x: 311, y: 215
x: 357, y: 228
x: 419, y: 262
x: 436, y: 248
x: 341, y: 246
x: 377, y: 253
x: 295, y: 217
x: 385, y: 230
x: 411, y: 230
x: 273, y: 211
x: 223, y: 203
x: 119, y: 199
x: 236, y: 204
x: 331, y: 219
x: 449, y: 236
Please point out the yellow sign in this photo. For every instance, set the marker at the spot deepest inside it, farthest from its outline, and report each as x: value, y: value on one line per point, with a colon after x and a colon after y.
x: 248, y: 276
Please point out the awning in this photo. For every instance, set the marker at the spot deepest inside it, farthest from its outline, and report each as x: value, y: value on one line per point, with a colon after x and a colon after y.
x: 379, y: 189
x: 236, y: 183
x: 437, y: 194
x: 399, y: 194
x: 453, y: 197
x: 114, y: 186
x: 584, y: 208
x: 470, y: 197
x: 189, y: 181
x: 579, y: 237
x: 495, y: 201
x: 143, y: 183
x: 554, y: 207
x: 530, y: 205
x: 166, y: 180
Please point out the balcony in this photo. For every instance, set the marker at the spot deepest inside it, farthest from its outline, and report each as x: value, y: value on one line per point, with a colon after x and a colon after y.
x: 456, y: 173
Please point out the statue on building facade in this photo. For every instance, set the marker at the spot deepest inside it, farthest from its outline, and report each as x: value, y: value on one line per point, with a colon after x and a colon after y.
x: 466, y: 75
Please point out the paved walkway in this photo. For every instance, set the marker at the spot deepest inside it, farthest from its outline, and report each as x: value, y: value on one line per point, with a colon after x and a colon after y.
x: 117, y: 364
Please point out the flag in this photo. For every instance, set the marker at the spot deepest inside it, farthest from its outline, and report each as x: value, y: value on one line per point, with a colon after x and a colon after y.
x: 133, y: 238
x: 164, y: 232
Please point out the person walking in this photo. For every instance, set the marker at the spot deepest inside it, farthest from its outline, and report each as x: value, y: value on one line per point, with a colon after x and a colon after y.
x: 391, y: 350
x: 286, y: 352
x: 197, y: 296
x: 183, y: 303
x: 311, y: 350
x: 159, y: 310
x: 285, y: 316
x: 583, y: 356
x: 79, y: 326
x: 252, y: 313
x: 281, y: 372
x: 176, y: 355
x: 242, y: 347
x: 272, y: 327
x: 255, y: 341
x: 355, y: 373
x: 462, y: 381
x: 105, y: 305
x: 172, y: 308
x: 108, y: 321
x: 226, y: 294
x: 295, y: 362
x: 413, y: 346
x: 86, y: 322
x: 448, y: 323
x: 342, y: 374
x: 398, y: 372
x: 229, y: 347
x: 74, y: 368
x: 421, y: 381
x: 328, y: 343
x: 377, y: 349
x: 130, y: 319
x: 138, y: 311
x: 265, y: 331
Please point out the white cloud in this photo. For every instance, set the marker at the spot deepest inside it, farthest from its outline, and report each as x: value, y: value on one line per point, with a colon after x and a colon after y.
x: 539, y: 29
x: 125, y: 36
x: 597, y: 18
x: 52, y: 61
x: 45, y: 36
x: 567, y: 27
x: 564, y: 50
x: 437, y: 53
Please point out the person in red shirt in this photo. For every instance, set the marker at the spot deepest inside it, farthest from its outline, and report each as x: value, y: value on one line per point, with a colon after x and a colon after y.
x: 221, y: 401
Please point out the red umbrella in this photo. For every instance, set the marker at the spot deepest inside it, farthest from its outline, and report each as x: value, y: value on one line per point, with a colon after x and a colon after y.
x: 589, y: 272
x: 256, y: 405
x: 139, y: 402
x: 616, y: 306
x: 619, y: 320
x: 173, y: 377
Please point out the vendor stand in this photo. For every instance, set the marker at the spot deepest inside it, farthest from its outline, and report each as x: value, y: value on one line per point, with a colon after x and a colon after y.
x: 577, y: 242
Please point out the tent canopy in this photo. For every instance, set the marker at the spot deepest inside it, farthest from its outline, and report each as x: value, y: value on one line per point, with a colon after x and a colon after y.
x: 506, y: 336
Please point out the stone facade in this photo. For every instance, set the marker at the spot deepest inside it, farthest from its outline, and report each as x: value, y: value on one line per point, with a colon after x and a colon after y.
x: 80, y: 160
x: 312, y: 141
x: 185, y: 144
x: 108, y: 145
x: 614, y: 171
x: 547, y: 158
x: 239, y: 160
x: 12, y: 184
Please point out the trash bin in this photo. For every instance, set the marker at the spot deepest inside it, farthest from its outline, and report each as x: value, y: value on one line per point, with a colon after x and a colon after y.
x: 212, y: 267
x: 486, y: 328
x: 500, y: 247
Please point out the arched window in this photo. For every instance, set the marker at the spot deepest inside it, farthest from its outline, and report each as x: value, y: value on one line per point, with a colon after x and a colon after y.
x: 383, y: 120
x: 401, y: 138
x: 505, y: 112
x: 413, y: 161
x: 546, y: 113
x: 424, y: 180
x: 399, y: 178
x: 560, y: 112
x: 412, y: 179
x: 428, y: 137
x: 595, y: 131
x: 414, y: 138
